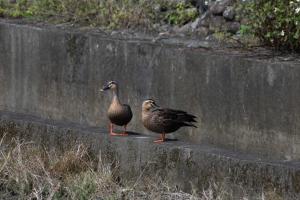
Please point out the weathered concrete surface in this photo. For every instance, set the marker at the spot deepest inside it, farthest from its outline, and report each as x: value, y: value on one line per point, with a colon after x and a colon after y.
x: 187, y: 166
x: 244, y: 104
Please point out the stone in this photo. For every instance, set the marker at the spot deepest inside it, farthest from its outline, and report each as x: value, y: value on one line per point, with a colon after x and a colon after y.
x: 201, y: 21
x: 229, y: 13
x: 202, y: 31
x: 164, y: 28
x: 157, y: 8
x: 199, y: 44
x: 191, y: 27
x: 199, y: 4
x: 216, y: 23
x: 195, y: 24
x: 232, y: 27
x: 156, y: 26
x: 185, y: 28
x: 218, y: 7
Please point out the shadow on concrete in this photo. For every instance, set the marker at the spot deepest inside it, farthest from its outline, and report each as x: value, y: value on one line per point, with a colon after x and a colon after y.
x: 171, y: 140
x: 134, y: 133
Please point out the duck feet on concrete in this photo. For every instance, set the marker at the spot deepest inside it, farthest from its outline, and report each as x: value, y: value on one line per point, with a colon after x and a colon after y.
x: 117, y: 134
x: 162, y: 138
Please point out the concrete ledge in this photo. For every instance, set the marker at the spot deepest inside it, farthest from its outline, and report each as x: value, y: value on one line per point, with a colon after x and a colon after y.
x: 185, y: 165
x: 244, y: 102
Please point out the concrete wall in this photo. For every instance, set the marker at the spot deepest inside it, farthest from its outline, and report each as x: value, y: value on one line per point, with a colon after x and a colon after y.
x: 191, y: 168
x: 243, y: 104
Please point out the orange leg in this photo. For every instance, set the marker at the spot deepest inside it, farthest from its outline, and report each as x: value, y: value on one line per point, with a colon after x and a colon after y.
x: 125, y: 132
x: 116, y: 134
x: 162, y: 138
x: 111, y: 129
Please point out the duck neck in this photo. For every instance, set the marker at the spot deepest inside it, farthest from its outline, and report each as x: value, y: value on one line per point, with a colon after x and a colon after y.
x: 145, y: 113
x: 116, y: 97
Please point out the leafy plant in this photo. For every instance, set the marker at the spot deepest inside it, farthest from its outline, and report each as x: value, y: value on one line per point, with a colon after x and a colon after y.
x: 182, y: 14
x: 276, y: 23
x: 245, y: 29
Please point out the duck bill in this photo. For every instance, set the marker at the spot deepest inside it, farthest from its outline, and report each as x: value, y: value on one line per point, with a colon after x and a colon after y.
x: 104, y: 88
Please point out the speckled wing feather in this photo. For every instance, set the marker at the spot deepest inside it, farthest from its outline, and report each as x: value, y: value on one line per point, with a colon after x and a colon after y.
x: 170, y: 117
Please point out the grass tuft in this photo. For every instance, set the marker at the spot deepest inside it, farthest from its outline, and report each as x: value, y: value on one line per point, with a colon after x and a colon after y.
x: 30, y: 171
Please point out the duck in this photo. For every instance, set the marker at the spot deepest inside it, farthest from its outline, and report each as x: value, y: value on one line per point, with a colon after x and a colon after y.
x: 164, y: 120
x: 119, y: 114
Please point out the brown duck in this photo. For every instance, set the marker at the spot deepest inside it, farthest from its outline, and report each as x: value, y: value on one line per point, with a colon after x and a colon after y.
x: 118, y: 113
x: 164, y: 120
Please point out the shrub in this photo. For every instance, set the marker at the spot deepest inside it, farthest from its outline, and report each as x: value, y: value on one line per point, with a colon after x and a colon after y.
x: 275, y: 22
x: 181, y: 14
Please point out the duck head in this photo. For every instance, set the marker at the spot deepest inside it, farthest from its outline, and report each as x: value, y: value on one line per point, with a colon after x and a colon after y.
x: 149, y: 104
x: 111, y: 85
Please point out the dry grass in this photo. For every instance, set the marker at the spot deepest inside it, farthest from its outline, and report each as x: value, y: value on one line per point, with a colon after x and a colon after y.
x: 29, y: 171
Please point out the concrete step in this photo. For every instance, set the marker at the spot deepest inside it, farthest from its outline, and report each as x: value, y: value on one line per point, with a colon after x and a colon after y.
x: 189, y: 167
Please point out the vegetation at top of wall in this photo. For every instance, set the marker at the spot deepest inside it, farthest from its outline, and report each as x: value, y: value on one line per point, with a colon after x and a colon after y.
x: 105, y: 13
x: 276, y: 23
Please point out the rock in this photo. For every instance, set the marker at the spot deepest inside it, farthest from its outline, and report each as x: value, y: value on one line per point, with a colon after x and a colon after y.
x: 216, y: 23
x: 201, y: 21
x: 156, y: 26
x: 194, y: 27
x: 199, y: 4
x: 199, y: 44
x: 202, y: 31
x: 229, y: 13
x: 185, y: 28
x: 218, y: 7
x: 200, y: 25
x: 195, y: 24
x: 113, y: 33
x: 210, y: 38
x: 232, y: 27
x: 162, y: 35
x: 165, y: 28
x: 157, y: 8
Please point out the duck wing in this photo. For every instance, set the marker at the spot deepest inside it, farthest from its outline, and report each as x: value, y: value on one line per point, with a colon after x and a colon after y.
x: 127, y: 110
x: 171, y: 117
